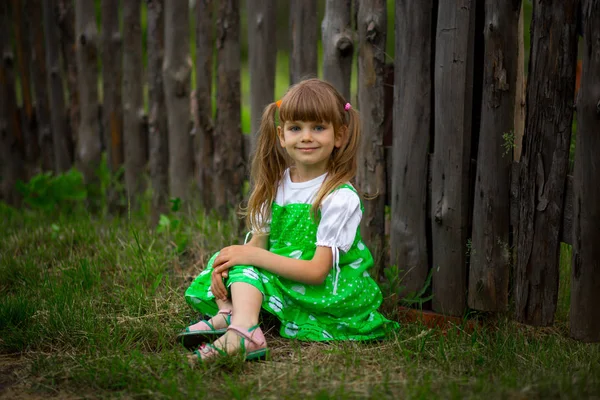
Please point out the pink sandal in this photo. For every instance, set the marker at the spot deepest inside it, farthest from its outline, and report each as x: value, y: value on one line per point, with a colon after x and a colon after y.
x: 202, y: 331
x: 253, y: 345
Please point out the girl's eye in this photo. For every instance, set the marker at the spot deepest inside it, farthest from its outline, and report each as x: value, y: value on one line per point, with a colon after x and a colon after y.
x: 294, y: 128
x: 319, y: 128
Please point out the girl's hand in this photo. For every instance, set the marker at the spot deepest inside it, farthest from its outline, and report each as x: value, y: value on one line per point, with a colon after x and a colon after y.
x: 234, y: 255
x: 217, y: 287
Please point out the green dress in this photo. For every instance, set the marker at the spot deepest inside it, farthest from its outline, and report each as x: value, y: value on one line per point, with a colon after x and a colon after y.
x: 345, y: 306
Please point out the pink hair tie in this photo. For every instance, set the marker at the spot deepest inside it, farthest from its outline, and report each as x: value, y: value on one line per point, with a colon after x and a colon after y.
x: 347, y: 106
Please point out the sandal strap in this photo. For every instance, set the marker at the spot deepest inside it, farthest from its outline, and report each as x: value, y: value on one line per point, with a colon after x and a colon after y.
x: 246, y: 334
x: 225, y: 311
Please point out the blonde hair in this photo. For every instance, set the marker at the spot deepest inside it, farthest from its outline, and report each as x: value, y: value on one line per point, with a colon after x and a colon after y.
x: 309, y: 100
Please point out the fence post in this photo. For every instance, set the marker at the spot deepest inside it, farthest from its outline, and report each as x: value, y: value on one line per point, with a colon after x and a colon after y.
x: 158, y: 137
x: 452, y: 153
x: 338, y: 42
x: 544, y: 160
x: 228, y: 157
x: 371, y: 174
x: 303, y: 34
x: 205, y: 36
x: 11, y: 136
x: 262, y: 53
x: 490, y: 248
x: 585, y: 274
x: 112, y: 69
x: 66, y: 23
x: 177, y: 72
x: 133, y: 106
x: 88, y: 136
x: 58, y: 117
x: 40, y: 84
x: 23, y: 46
x: 414, y: 22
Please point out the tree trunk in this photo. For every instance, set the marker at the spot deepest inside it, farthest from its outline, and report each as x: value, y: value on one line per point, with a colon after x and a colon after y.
x: 30, y: 141
x: 40, y: 84
x: 412, y: 129
x: 585, y: 278
x: 177, y: 69
x: 159, y: 135
x: 262, y: 53
x: 203, y: 111
x: 545, y: 158
x: 371, y: 174
x: 88, y: 138
x: 11, y: 136
x: 338, y: 41
x: 303, y: 25
x: 66, y: 23
x: 228, y: 158
x: 452, y: 154
x: 112, y: 67
x: 490, y: 248
x: 133, y: 103
x: 63, y: 159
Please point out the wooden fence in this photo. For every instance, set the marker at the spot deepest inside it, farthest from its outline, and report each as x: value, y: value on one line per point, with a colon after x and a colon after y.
x: 474, y: 170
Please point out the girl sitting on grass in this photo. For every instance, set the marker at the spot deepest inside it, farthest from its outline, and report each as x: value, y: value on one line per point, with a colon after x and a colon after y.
x: 306, y: 263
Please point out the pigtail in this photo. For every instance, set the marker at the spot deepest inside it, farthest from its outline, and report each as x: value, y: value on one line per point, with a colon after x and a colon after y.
x: 268, y: 165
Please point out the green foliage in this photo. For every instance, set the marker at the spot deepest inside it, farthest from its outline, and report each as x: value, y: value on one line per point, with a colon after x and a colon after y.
x: 509, y: 143
x: 171, y: 226
x: 50, y: 192
x: 393, y: 287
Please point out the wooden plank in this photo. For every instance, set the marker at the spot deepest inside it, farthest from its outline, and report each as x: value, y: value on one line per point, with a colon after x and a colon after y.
x: 544, y: 161
x: 584, y: 316
x: 228, y: 165
x: 490, y: 248
x: 177, y: 68
x: 452, y: 154
x: 303, y: 34
x: 261, y: 54
x: 519, y: 117
x: 112, y: 69
x: 338, y: 46
x: 203, y: 113
x: 89, y: 148
x: 411, y: 140
x: 371, y: 173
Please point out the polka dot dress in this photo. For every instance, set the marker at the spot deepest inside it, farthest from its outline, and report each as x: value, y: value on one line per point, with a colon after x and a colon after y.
x: 344, y: 307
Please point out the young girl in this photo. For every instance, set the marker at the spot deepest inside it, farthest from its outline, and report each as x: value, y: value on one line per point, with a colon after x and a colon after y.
x: 306, y: 263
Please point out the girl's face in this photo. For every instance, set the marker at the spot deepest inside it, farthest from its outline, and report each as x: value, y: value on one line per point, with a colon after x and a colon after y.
x: 309, y: 144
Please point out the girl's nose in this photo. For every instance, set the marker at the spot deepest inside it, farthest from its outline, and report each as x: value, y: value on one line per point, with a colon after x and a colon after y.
x: 306, y: 135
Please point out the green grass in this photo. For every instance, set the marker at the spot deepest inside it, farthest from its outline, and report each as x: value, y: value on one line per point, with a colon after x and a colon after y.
x: 89, y: 307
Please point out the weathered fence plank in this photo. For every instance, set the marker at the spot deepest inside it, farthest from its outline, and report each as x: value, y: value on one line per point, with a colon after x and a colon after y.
x: 11, y: 136
x: 133, y: 106
x: 452, y: 154
x: 112, y: 69
x: 228, y: 162
x: 39, y: 82
x: 23, y: 46
x: 203, y: 113
x: 545, y: 157
x: 66, y: 23
x: 158, y: 140
x: 88, y: 136
x: 519, y: 116
x: 177, y: 73
x: 60, y: 138
x: 371, y: 174
x: 412, y: 127
x: 261, y: 53
x: 303, y: 34
x: 338, y: 41
x: 585, y: 276
x: 490, y: 248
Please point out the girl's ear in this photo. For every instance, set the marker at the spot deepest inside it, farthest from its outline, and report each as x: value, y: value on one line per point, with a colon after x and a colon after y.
x: 280, y: 135
x: 341, y: 138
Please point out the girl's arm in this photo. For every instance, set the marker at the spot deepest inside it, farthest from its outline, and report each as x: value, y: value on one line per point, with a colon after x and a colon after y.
x: 311, y: 272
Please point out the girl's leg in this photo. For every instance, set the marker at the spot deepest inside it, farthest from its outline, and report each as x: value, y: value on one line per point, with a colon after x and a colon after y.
x: 218, y: 321
x: 247, y: 301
